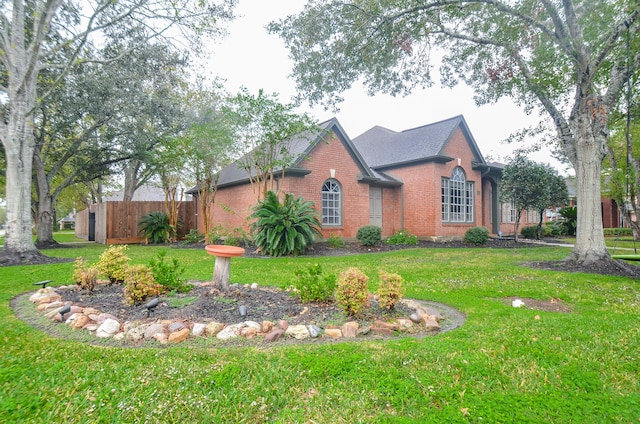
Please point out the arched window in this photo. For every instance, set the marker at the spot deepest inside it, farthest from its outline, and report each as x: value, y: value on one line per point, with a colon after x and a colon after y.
x: 457, y: 197
x: 331, y: 203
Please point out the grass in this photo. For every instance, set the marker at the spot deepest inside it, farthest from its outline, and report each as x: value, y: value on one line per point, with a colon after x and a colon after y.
x: 504, y: 365
x: 64, y: 236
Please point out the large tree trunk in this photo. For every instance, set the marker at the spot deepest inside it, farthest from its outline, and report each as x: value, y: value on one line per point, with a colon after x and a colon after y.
x: 19, y: 147
x: 590, y: 247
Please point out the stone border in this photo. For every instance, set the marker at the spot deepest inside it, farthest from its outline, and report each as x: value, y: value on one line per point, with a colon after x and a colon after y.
x: 429, y: 318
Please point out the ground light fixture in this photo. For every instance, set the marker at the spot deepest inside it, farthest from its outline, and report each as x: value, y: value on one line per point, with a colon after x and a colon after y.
x: 151, y: 304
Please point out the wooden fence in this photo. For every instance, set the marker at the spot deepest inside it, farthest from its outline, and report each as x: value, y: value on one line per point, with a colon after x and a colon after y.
x: 117, y: 222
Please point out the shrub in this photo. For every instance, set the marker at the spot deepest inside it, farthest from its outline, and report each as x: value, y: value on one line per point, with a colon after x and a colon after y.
x: 402, y: 237
x: 312, y: 286
x: 351, y: 292
x: 530, y: 232
x: 140, y: 284
x: 477, y: 235
x: 618, y: 232
x: 284, y: 229
x: 193, y: 237
x: 390, y: 290
x: 335, y: 241
x: 155, y: 228
x: 570, y: 215
x: 554, y: 228
x: 369, y: 235
x: 113, y: 264
x: 237, y: 237
x: 168, y: 275
x: 84, y: 275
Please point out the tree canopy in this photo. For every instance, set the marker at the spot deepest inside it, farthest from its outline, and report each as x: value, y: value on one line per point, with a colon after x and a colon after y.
x: 567, y: 58
x: 43, y: 35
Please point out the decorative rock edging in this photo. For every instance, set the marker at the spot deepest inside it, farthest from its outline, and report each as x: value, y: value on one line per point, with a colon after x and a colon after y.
x: 428, y: 318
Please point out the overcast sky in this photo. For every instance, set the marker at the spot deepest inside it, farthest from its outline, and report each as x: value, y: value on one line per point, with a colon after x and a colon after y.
x: 255, y: 59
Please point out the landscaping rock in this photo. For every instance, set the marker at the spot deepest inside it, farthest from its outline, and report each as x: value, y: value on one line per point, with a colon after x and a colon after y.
x: 266, y: 327
x: 314, y: 331
x: 248, y: 332
x: 274, y: 335
x: 334, y: 333
x: 405, y: 324
x: 350, y: 329
x: 283, y: 324
x: 80, y: 321
x: 161, y: 337
x: 213, y: 328
x: 108, y: 328
x: 135, y: 334
x: 198, y: 329
x: 230, y: 331
x: 176, y: 326
x: 254, y: 325
x: 179, y: 336
x: 153, y: 329
x: 299, y: 332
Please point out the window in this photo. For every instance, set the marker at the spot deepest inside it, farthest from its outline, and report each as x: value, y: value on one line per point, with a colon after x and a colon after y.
x: 508, y: 213
x: 457, y: 198
x: 331, y: 203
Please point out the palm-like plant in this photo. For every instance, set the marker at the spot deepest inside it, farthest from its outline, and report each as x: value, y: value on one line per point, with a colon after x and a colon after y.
x: 155, y: 227
x: 284, y: 229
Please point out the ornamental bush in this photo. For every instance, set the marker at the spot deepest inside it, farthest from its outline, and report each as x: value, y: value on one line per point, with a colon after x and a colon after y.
x: 284, y: 229
x: 312, y: 286
x: 85, y: 276
x: 169, y: 275
x: 477, y: 235
x: 369, y: 235
x: 140, y: 284
x: 335, y: 241
x: 113, y: 264
x: 530, y: 232
x: 351, y: 293
x: 402, y: 237
x: 390, y: 290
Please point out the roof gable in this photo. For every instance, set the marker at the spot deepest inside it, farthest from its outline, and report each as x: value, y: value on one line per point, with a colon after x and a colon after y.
x: 299, y: 148
x: 383, y: 148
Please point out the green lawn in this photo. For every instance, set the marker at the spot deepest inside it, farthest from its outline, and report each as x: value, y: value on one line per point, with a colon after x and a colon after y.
x: 504, y: 365
x: 65, y: 236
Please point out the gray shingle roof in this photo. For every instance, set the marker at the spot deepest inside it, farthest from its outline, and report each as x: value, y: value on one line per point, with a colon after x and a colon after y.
x: 373, y: 151
x: 383, y: 148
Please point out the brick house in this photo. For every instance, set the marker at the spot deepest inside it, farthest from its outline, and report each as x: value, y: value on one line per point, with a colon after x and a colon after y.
x: 431, y: 181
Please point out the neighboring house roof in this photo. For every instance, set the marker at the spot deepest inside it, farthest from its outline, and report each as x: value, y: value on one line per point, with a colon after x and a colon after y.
x: 382, y: 148
x: 144, y: 193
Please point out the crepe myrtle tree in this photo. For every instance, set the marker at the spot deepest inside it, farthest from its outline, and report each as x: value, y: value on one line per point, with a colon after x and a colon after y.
x: 33, y: 34
x: 567, y: 57
x: 528, y: 185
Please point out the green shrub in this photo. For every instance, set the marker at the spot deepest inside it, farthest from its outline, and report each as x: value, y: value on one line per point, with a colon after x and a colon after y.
x: 570, y: 219
x: 369, y: 235
x: 155, y: 228
x: 85, y: 276
x: 610, y: 232
x: 477, y: 235
x: 554, y: 228
x: 312, y: 286
x: 193, y: 237
x: 351, y: 292
x: 284, y: 229
x: 168, y: 275
x: 402, y: 238
x: 113, y: 264
x: 140, y: 284
x: 530, y: 232
x: 390, y: 290
x: 335, y: 241
x: 237, y: 237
